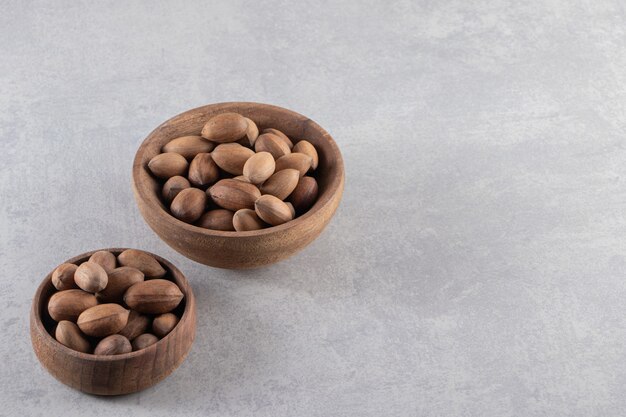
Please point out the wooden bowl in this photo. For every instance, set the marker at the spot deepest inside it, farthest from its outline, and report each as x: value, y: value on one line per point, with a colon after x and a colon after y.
x: 238, y: 250
x: 116, y: 374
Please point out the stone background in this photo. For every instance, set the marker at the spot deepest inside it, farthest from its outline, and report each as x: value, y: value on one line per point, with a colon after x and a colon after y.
x: 475, y: 266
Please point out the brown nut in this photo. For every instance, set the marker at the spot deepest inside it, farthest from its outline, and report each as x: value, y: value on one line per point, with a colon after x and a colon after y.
x: 168, y: 164
x: 69, y: 304
x: 259, y: 167
x: 63, y: 277
x: 188, y: 146
x: 156, y: 296
x: 281, y: 135
x: 233, y: 194
x: 219, y: 219
x: 272, y: 210
x: 298, y: 161
x: 144, y: 340
x: 247, y: 219
x: 103, y: 320
x: 252, y: 132
x: 281, y: 184
x: 116, y: 344
x: 203, y: 170
x: 307, y: 148
x: 173, y: 186
x: 304, y: 194
x: 231, y: 157
x: 189, y: 205
x: 136, y: 325
x: 91, y: 277
x: 225, y: 127
x: 120, y: 279
x: 163, y: 324
x: 269, y: 142
x: 105, y: 259
x: 150, y: 267
x: 68, y: 334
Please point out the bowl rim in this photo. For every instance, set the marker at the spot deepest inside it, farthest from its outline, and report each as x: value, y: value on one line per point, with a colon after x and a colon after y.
x: 38, y: 322
x: 334, y: 186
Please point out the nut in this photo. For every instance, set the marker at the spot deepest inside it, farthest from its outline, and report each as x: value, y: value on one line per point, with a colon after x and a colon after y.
x: 219, y: 219
x: 136, y: 325
x: 63, y: 277
x: 91, y: 277
x: 103, y: 320
x: 274, y: 144
x: 281, y: 135
x: 69, y: 304
x: 247, y: 219
x: 231, y: 157
x: 203, y: 170
x: 173, y: 186
x: 155, y: 296
x: 163, y: 324
x: 115, y: 344
x: 225, y: 127
x: 234, y: 195
x: 150, y: 267
x: 259, y: 167
x: 68, y: 334
x: 189, y: 205
x: 252, y: 133
x: 120, y: 279
x: 272, y: 210
x: 307, y: 148
x: 304, y: 194
x: 282, y: 183
x: 298, y: 161
x: 105, y: 259
x: 188, y: 146
x: 168, y: 164
x: 144, y: 340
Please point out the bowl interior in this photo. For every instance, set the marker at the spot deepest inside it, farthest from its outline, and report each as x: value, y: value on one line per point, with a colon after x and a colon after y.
x: 46, y: 290
x: 329, y: 174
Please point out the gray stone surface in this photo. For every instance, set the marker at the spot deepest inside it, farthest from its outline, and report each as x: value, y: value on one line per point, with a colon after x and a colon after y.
x: 476, y: 264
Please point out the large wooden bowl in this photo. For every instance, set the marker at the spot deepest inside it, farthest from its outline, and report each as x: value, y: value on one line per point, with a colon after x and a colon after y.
x: 238, y: 250
x: 117, y: 374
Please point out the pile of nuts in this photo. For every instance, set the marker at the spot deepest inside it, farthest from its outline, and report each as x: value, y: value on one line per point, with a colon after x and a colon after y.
x: 90, y: 304
x: 233, y: 178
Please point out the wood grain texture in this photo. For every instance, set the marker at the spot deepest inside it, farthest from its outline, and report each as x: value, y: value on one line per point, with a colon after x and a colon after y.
x: 119, y: 374
x: 250, y: 249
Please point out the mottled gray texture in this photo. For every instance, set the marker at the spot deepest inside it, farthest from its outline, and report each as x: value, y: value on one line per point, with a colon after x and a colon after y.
x: 475, y: 267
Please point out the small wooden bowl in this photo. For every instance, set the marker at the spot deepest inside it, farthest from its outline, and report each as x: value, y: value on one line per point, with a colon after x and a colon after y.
x: 239, y: 250
x: 116, y: 374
